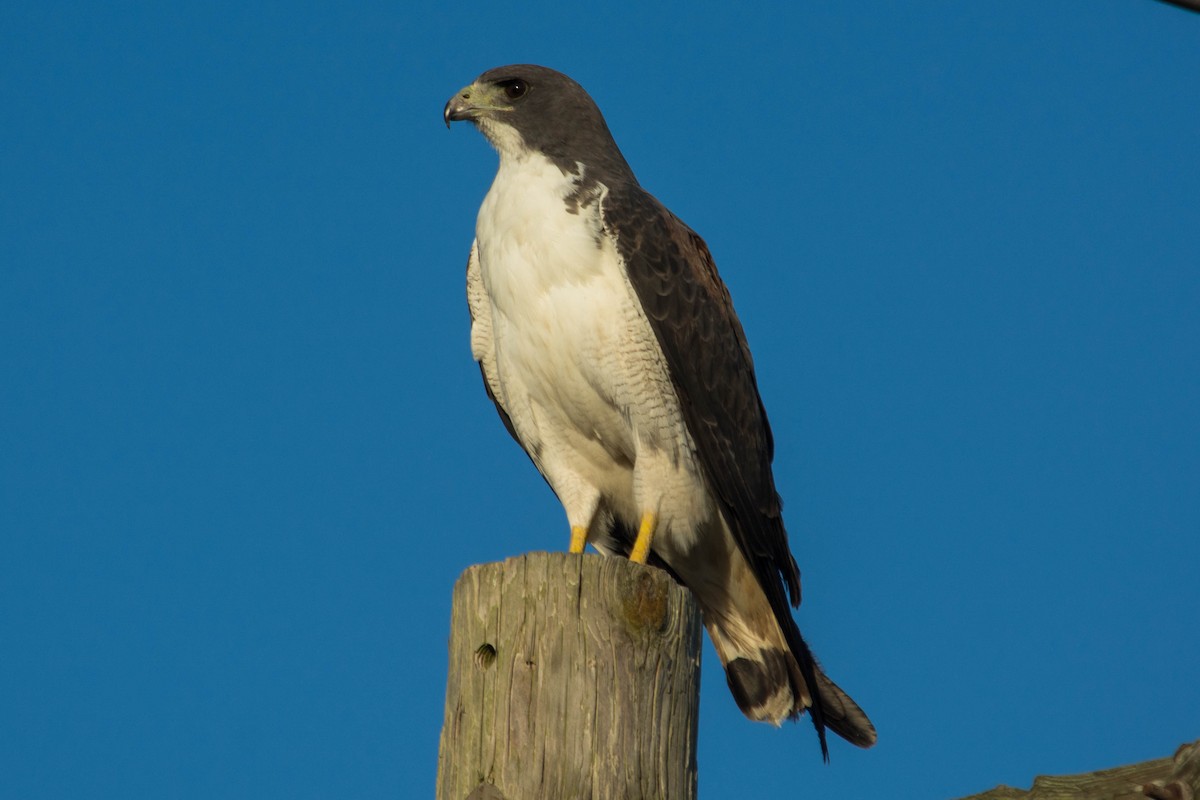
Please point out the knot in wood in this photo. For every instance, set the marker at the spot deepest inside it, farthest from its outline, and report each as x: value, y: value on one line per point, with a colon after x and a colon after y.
x: 485, y: 656
x: 1175, y: 790
x: 645, y: 600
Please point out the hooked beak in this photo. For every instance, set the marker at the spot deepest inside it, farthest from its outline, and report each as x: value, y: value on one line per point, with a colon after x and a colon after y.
x: 471, y: 102
x: 458, y: 107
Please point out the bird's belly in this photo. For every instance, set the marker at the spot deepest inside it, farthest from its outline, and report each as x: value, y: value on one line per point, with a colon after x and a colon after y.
x: 578, y: 368
x: 583, y: 377
x: 560, y: 302
x: 560, y: 365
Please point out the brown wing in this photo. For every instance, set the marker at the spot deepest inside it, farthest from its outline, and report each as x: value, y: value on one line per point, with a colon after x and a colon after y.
x: 692, y: 315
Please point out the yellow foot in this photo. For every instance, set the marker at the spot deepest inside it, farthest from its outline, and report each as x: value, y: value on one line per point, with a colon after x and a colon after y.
x: 641, y: 547
x: 578, y: 539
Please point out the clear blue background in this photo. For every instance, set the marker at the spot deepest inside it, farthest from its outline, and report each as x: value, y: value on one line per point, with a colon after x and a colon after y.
x: 244, y: 452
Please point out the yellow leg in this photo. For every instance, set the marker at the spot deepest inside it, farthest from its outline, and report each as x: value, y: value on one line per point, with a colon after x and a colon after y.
x: 641, y: 548
x: 578, y: 539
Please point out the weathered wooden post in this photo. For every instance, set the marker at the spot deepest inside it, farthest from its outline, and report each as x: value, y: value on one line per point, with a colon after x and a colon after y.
x: 571, y: 678
x: 1175, y: 778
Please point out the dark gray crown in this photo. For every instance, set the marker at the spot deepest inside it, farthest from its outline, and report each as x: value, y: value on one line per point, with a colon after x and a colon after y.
x: 556, y: 117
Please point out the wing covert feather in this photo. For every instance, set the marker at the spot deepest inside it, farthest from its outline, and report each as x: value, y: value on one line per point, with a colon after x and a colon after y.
x: 692, y: 315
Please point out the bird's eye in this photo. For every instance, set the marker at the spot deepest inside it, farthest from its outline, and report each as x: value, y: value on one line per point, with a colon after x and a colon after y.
x: 515, y: 89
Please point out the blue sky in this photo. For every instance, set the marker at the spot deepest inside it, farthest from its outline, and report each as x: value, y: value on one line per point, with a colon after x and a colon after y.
x: 244, y: 452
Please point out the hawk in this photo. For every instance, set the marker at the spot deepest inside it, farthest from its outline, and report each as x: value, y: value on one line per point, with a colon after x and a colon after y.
x: 610, y: 347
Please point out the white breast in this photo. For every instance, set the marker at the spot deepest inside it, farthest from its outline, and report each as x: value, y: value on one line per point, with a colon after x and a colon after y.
x: 578, y: 368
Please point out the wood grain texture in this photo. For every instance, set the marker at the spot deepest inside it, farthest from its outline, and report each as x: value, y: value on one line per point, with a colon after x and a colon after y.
x: 570, y: 676
x: 1176, y: 778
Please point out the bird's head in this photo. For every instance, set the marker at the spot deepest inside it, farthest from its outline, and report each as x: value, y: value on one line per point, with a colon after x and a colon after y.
x: 523, y: 107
